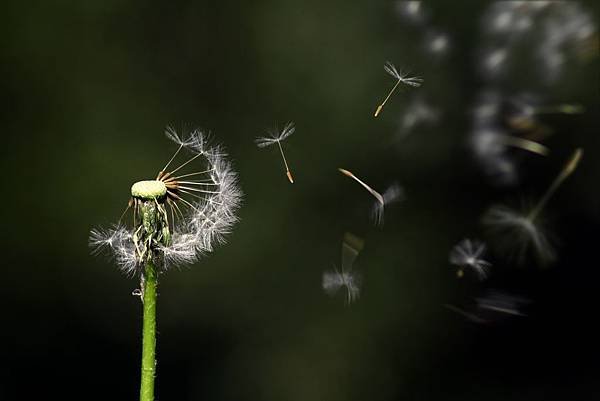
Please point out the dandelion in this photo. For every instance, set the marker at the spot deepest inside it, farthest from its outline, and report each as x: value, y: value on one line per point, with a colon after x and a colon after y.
x: 468, y: 254
x: 202, y: 205
x: 333, y: 280
x: 522, y: 230
x: 393, y: 194
x: 278, y: 137
x: 401, y: 78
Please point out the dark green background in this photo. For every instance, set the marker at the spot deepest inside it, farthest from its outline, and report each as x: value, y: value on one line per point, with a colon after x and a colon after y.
x: 86, y: 89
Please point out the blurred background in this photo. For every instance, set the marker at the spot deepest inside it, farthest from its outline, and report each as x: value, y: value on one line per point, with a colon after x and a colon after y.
x: 87, y: 89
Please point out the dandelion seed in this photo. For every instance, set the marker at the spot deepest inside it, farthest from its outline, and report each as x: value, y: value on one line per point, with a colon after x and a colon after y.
x: 417, y: 113
x: 437, y: 43
x: 493, y: 307
x: 278, y: 137
x: 401, y: 78
x: 393, y: 194
x: 520, y: 230
x: 473, y: 317
x: 411, y: 11
x: 502, y: 302
x: 334, y: 280
x: 468, y: 254
x: 494, y: 61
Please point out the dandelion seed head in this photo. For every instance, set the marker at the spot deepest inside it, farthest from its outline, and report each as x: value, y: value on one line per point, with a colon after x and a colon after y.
x: 203, y: 206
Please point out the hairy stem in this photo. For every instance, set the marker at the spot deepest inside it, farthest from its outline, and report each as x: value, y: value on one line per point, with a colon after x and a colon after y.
x: 149, y: 333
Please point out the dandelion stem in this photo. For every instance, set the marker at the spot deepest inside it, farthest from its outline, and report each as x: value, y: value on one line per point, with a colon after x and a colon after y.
x: 287, y: 169
x: 149, y: 333
x: 569, y: 168
x: 380, y: 107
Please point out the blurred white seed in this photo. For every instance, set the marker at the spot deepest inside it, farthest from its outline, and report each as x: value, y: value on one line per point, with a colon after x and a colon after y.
x: 468, y: 254
x: 334, y: 280
x: 518, y: 231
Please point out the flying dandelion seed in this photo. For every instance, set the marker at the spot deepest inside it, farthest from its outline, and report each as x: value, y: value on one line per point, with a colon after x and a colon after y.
x: 493, y: 307
x: 418, y: 113
x: 437, y: 43
x: 411, y: 11
x: 401, y: 78
x: 518, y: 231
x: 334, y: 280
x: 393, y: 194
x: 502, y: 302
x: 278, y: 137
x: 468, y: 254
x: 473, y: 317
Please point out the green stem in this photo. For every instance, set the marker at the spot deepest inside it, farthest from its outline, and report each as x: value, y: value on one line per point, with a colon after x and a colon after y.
x: 149, y: 333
